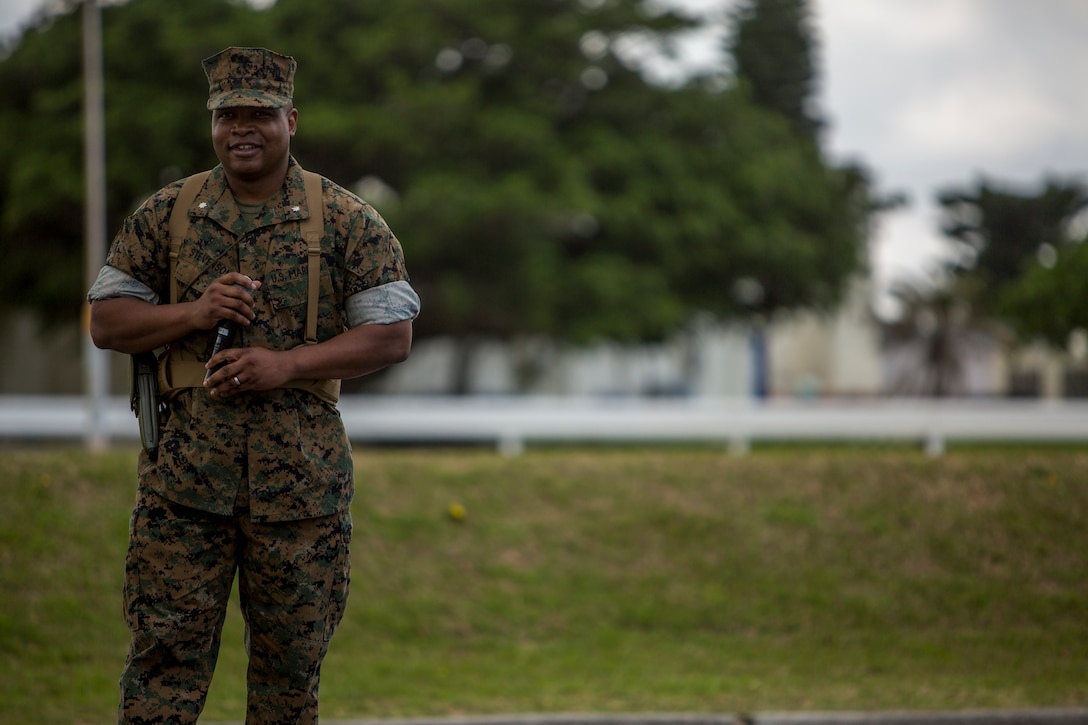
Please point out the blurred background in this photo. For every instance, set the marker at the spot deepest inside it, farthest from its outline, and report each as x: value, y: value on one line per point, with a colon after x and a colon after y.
x: 833, y: 199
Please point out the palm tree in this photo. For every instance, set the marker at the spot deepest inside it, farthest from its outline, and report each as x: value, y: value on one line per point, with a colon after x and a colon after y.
x: 939, y: 333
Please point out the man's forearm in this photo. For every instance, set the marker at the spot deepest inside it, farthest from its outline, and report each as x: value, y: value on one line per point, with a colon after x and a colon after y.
x: 131, y: 325
x: 359, y: 351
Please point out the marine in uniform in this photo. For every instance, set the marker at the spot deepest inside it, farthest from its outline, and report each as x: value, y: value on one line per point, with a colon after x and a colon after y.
x: 253, y: 475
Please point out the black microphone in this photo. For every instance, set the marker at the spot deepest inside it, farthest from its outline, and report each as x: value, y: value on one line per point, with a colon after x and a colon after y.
x: 226, y: 332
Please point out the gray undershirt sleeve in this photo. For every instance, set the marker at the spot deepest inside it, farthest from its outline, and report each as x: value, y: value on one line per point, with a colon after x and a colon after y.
x: 383, y: 305
x: 112, y: 282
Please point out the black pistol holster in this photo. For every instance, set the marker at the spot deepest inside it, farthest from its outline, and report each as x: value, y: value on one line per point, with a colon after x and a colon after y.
x: 145, y: 399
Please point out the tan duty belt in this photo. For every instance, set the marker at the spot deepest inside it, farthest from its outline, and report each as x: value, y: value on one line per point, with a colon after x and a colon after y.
x: 176, y: 372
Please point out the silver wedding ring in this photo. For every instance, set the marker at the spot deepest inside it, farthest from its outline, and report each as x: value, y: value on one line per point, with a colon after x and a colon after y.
x: 237, y: 382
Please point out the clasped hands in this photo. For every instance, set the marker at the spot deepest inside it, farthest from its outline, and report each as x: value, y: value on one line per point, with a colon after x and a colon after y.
x: 229, y: 299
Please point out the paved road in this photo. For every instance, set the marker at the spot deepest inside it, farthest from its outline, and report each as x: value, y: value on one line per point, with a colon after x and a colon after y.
x: 971, y: 717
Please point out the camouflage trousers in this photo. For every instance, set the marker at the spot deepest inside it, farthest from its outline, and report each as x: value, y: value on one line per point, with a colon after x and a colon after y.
x: 179, y: 572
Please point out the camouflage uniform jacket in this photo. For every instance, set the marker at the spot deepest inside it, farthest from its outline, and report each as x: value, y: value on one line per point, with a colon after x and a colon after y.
x: 289, y: 447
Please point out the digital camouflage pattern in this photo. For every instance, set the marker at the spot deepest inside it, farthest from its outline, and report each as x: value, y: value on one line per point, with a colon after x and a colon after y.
x: 249, y: 77
x: 259, y: 483
x: 178, y: 579
x: 289, y: 445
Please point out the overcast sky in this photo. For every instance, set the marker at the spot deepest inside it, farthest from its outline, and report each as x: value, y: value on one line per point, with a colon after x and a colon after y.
x: 932, y: 93
x: 927, y: 94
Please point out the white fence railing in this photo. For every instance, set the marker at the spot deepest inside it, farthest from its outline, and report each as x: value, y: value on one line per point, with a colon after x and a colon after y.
x: 511, y: 423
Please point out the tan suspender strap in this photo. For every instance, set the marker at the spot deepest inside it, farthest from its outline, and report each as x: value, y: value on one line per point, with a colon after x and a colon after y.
x: 312, y: 232
x: 179, y: 223
x: 176, y: 374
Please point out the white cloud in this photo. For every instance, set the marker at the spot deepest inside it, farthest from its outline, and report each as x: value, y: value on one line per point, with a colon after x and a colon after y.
x: 15, y: 14
x: 898, y: 24
x: 975, y: 123
x: 935, y: 93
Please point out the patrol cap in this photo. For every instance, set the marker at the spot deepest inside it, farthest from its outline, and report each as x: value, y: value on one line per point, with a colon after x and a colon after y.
x: 249, y: 77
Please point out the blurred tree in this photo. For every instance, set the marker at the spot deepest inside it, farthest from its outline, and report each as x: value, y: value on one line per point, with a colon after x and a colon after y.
x: 156, y: 131
x: 1050, y: 300
x: 41, y: 191
x: 538, y: 182
x: 999, y: 233
x: 772, y: 46
x: 1005, y: 271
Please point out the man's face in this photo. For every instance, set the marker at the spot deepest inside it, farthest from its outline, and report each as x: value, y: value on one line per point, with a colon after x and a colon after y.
x: 253, y: 143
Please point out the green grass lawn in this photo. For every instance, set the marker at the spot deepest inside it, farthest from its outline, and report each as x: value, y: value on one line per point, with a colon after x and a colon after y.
x: 613, y: 580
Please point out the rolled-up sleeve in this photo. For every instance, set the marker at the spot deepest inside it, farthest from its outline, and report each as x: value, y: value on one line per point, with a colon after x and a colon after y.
x: 112, y: 282
x: 383, y: 305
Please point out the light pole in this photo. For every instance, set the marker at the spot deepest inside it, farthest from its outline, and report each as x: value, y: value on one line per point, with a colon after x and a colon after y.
x: 95, y: 362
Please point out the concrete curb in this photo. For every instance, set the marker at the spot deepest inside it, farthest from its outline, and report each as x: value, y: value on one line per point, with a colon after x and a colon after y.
x: 965, y: 717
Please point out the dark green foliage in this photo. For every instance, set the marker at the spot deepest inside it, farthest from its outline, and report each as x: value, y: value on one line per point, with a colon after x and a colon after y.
x: 1002, y: 234
x: 772, y: 48
x: 537, y: 182
x: 1051, y: 302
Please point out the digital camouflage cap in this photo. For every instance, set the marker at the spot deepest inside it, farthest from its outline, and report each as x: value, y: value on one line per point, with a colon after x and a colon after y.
x: 249, y: 77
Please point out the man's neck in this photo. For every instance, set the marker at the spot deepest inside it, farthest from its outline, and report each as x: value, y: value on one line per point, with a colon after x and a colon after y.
x: 254, y: 191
